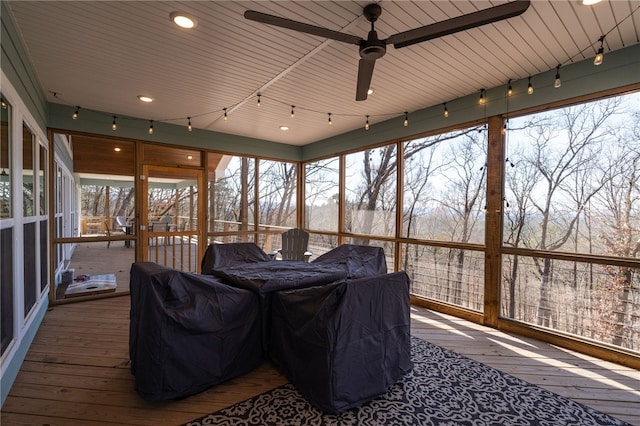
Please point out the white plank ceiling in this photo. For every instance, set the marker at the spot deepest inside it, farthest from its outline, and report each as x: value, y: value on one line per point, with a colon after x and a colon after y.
x: 101, y: 54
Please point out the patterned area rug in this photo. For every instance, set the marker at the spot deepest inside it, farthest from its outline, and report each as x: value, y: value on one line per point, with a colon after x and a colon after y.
x: 444, y: 388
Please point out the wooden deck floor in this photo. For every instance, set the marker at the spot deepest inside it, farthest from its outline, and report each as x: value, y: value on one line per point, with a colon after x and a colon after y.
x: 77, y: 371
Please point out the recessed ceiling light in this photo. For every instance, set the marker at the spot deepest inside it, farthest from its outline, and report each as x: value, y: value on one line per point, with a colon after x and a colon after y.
x: 183, y: 20
x: 189, y: 157
x: 284, y: 128
x: 590, y: 2
x: 116, y: 149
x: 144, y: 98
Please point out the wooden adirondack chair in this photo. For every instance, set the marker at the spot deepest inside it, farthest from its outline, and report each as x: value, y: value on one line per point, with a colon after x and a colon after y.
x: 294, y: 245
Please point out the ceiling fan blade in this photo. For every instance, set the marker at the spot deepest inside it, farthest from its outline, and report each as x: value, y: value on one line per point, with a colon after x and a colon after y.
x: 365, y: 72
x: 300, y: 26
x: 459, y: 23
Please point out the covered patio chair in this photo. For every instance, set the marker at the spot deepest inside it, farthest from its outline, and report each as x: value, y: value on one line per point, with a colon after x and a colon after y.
x: 343, y: 344
x: 188, y: 332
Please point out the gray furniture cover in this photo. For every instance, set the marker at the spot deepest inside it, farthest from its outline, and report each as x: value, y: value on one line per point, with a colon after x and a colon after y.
x: 189, y: 332
x: 343, y: 344
x: 357, y: 260
x: 232, y: 254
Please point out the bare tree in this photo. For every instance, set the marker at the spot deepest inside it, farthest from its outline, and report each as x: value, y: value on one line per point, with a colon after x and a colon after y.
x: 520, y: 182
x: 379, y: 168
x: 322, y: 194
x: 466, y: 184
x: 277, y: 193
x: 582, y: 131
x: 620, y: 200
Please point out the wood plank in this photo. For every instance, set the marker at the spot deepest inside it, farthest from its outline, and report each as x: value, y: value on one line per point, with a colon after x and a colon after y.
x: 18, y: 419
x: 62, y: 410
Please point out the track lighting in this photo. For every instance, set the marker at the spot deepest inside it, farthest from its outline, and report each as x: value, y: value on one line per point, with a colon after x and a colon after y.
x: 366, y: 125
x: 225, y: 113
x: 446, y: 111
x: 530, y: 87
x: 482, y: 99
x: 406, y: 118
x: 558, y: 82
x: 150, y: 127
x: 509, y: 88
x: 330, y: 123
x: 114, y: 126
x: 600, y: 55
x: 259, y: 99
x: 292, y: 113
x: 189, y: 127
x: 75, y: 114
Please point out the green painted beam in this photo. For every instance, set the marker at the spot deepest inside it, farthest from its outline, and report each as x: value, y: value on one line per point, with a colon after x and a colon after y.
x: 99, y: 123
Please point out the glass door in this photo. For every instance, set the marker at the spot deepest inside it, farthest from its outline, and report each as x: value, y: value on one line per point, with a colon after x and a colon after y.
x: 171, y: 217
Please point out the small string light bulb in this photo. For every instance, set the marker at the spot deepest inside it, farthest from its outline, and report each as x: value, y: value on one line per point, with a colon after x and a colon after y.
x: 259, y: 100
x: 557, y: 83
x: 600, y: 55
x: 366, y: 125
x: 292, y: 113
x: 330, y: 123
x: 406, y: 118
x: 75, y: 114
x: 225, y: 113
x: 114, y: 126
x: 189, y: 127
x: 482, y: 99
x: 150, y: 127
x: 530, y: 87
x: 4, y: 104
x: 509, y: 88
x: 446, y: 111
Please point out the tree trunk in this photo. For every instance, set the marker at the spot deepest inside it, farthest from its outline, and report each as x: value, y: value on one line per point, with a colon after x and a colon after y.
x: 544, y: 304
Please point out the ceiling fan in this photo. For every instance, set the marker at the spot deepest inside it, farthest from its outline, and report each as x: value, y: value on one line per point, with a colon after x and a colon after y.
x: 373, y: 48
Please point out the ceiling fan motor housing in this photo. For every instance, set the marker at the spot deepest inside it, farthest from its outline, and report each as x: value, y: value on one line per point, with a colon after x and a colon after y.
x: 372, y: 48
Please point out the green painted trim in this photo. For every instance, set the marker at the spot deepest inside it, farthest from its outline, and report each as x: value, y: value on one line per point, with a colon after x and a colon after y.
x: 620, y: 68
x: 18, y: 70
x: 97, y: 122
x: 10, y: 374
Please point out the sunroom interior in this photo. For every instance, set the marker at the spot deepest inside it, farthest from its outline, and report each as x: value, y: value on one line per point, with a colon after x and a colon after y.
x: 506, y: 186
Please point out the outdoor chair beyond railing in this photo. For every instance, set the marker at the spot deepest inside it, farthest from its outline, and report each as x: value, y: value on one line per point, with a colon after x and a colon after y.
x: 159, y: 227
x: 294, y: 245
x: 119, y: 227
